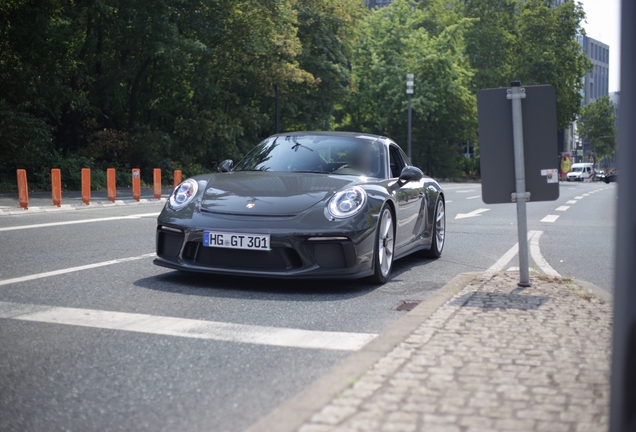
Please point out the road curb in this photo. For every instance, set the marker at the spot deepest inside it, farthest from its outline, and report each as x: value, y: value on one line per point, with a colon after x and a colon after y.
x: 72, y: 207
x: 294, y: 413
x: 597, y: 291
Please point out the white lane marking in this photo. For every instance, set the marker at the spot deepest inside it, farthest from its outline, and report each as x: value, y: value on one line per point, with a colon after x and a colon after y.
x: 465, y: 191
x: 578, y: 197
x: 473, y: 213
x: 550, y: 218
x: 571, y: 202
x: 188, y: 328
x: 449, y: 201
x: 516, y: 269
x: 562, y: 208
x: 586, y: 194
x: 538, y: 258
x: 81, y: 221
x: 73, y: 269
x: 505, y: 258
x: 473, y: 197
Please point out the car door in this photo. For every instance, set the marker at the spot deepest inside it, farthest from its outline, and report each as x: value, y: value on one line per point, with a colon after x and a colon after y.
x: 408, y: 197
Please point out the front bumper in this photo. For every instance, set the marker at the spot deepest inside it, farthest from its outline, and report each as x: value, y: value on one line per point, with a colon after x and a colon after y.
x: 292, y: 255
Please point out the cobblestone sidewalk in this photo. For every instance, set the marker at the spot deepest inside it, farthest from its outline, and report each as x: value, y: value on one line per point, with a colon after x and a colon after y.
x: 495, y: 357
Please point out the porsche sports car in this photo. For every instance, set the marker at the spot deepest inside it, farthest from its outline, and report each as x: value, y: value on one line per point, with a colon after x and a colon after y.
x: 305, y: 205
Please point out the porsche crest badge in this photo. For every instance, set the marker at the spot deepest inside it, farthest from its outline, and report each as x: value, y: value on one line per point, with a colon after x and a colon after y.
x: 250, y: 205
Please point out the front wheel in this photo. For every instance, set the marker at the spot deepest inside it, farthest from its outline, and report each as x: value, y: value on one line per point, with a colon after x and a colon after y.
x: 384, y: 246
x: 438, y: 236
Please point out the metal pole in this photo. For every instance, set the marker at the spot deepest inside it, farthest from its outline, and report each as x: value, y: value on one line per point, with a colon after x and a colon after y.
x: 516, y: 93
x: 409, y: 93
x: 277, y: 109
x: 623, y: 377
x: 409, y: 131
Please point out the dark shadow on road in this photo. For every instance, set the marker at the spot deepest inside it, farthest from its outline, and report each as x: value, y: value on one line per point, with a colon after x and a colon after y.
x: 259, y: 288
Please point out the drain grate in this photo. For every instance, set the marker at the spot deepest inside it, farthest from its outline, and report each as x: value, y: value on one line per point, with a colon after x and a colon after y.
x: 407, y: 305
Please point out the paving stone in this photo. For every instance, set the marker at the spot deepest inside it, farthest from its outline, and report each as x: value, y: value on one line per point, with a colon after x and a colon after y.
x: 495, y: 357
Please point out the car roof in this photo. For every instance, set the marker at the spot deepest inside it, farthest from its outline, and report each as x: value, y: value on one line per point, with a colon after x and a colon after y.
x: 370, y: 137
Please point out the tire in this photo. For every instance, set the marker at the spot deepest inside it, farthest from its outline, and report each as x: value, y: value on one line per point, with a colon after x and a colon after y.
x: 384, y: 247
x: 438, y: 235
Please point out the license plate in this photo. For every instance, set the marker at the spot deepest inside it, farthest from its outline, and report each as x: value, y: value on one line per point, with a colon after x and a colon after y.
x: 236, y: 240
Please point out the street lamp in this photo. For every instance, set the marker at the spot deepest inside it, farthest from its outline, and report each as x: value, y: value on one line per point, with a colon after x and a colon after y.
x: 409, y: 94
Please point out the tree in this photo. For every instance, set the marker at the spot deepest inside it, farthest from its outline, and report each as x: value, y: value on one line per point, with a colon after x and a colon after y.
x: 597, y: 124
x: 531, y: 42
x: 491, y: 41
x: 327, y: 30
x: 394, y: 42
x: 548, y: 53
x: 167, y: 83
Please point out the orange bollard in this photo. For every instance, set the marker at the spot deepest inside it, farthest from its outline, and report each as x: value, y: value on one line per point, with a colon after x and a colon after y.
x: 23, y: 189
x: 86, y: 185
x: 136, y: 184
x: 56, y: 187
x: 177, y: 177
x: 110, y: 184
x: 156, y: 184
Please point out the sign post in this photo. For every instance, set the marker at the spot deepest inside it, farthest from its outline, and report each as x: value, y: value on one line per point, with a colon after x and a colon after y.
x: 519, y: 152
x: 516, y: 93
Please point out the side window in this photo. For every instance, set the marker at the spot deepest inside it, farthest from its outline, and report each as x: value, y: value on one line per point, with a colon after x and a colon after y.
x: 396, y: 161
x: 407, y: 161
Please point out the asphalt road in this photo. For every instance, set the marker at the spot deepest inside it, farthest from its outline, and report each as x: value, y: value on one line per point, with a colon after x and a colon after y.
x: 92, y: 349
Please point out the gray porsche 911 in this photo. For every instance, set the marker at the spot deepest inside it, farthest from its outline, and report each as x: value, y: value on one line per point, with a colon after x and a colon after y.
x: 305, y: 205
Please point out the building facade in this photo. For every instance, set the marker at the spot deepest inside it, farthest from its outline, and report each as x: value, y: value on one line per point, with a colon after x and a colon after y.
x: 596, y: 82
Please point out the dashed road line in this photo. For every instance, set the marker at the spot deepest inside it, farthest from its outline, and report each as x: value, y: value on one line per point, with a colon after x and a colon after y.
x: 473, y: 197
x: 81, y: 221
x: 465, y: 191
x: 562, y: 208
x: 579, y: 197
x: 72, y: 269
x: 187, y: 328
x: 550, y: 218
x: 571, y: 202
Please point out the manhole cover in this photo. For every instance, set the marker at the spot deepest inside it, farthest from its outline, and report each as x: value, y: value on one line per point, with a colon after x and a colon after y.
x: 407, y: 305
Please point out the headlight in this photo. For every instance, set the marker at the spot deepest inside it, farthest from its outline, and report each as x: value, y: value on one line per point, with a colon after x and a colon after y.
x: 183, y: 194
x: 347, y: 203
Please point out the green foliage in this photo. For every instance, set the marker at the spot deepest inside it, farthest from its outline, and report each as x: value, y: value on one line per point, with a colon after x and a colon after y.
x: 547, y: 53
x: 168, y: 83
x: 184, y: 84
x: 395, y: 42
x: 491, y: 41
x: 530, y: 42
x: 597, y: 124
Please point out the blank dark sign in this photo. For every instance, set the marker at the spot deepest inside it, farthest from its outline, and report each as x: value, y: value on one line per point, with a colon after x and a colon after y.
x: 494, y: 111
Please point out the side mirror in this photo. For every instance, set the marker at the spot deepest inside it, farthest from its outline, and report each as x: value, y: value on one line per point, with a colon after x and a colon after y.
x: 410, y: 173
x: 226, y: 166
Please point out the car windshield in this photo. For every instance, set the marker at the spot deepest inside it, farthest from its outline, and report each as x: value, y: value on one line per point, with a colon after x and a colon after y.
x: 577, y: 169
x: 317, y: 154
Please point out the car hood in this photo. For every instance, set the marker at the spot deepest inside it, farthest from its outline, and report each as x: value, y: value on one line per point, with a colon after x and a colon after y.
x: 269, y: 193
